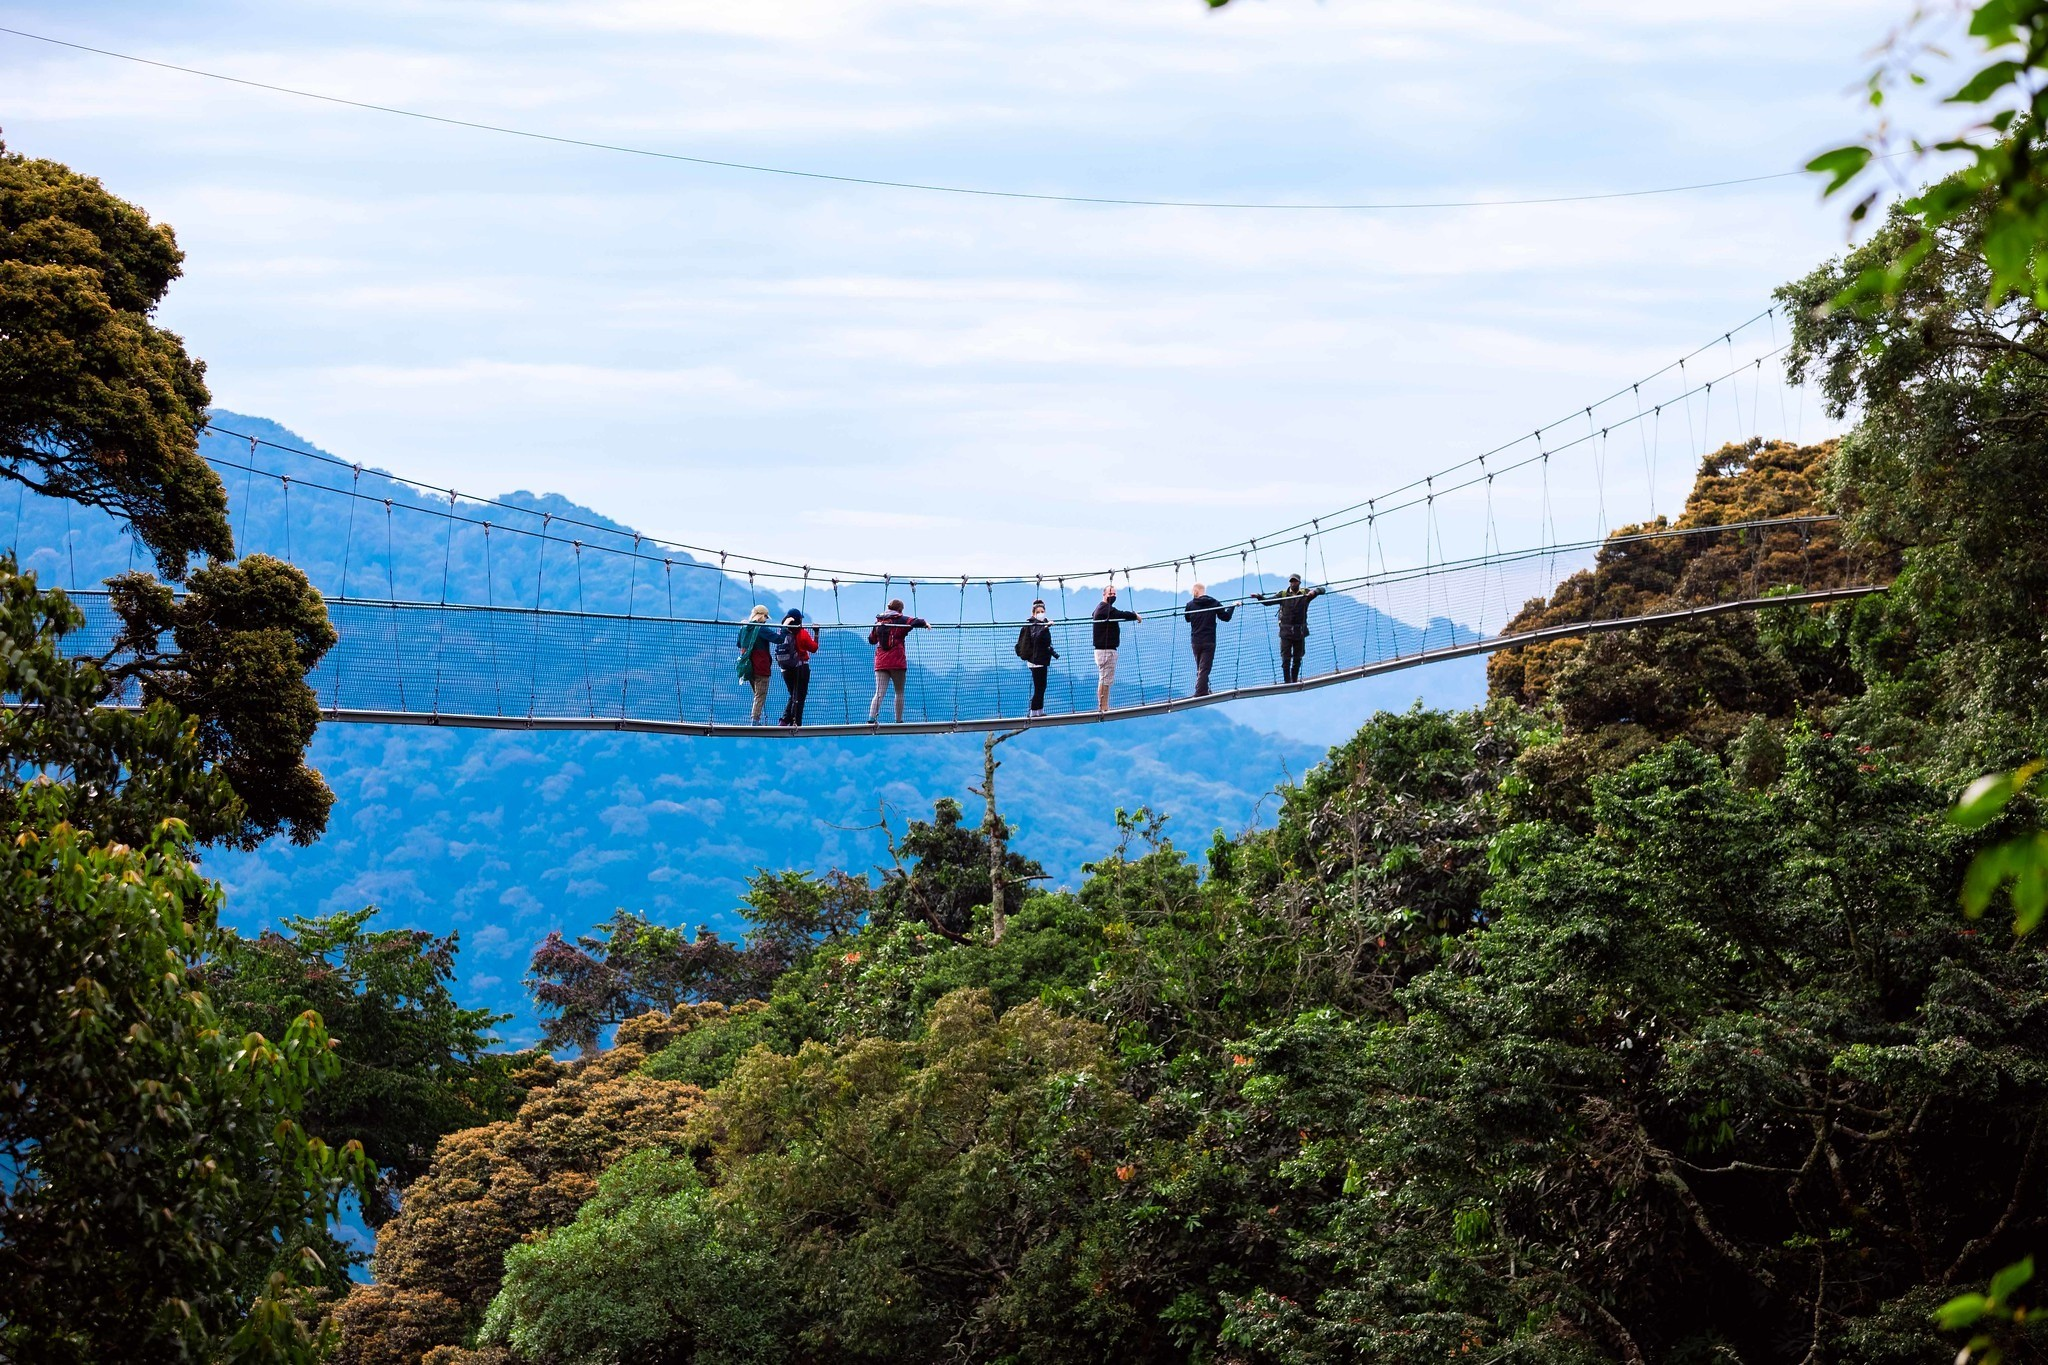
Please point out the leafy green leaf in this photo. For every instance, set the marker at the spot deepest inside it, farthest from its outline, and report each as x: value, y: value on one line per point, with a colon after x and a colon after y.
x: 1987, y: 83
x: 1964, y: 1310
x: 1987, y: 872
x: 1982, y: 800
x: 1843, y: 164
x: 2008, y: 1280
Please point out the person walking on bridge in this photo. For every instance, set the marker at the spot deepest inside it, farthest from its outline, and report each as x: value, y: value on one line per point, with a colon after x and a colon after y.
x: 793, y: 651
x: 1108, y: 638
x: 1203, y: 612
x: 892, y: 661
x: 1292, y: 606
x: 756, y: 662
x: 1034, y: 647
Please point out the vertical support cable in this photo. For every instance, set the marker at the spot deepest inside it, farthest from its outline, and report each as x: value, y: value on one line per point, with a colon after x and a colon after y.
x: 924, y: 710
x: 1372, y: 631
x: 248, y: 477
x: 491, y: 615
x: 347, y: 549
x: 959, y: 643
x: 1784, y: 414
x: 717, y: 625
x: 1173, y: 653
x: 583, y: 635
x: 995, y: 636
x: 348, y: 543
x: 1272, y: 656
x: 632, y: 585
x: 391, y: 595
x: 540, y: 568
x: 675, y: 658
x: 441, y: 643
x: 1649, y: 465
x: 1243, y: 601
x: 1336, y: 664
x: 1137, y: 646
x: 1072, y: 705
x: 839, y: 616
x: 1428, y: 567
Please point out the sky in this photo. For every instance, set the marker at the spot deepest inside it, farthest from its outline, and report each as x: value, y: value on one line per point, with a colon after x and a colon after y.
x: 839, y: 374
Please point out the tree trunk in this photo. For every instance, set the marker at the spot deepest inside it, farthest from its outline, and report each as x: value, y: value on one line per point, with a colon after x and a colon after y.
x: 993, y: 830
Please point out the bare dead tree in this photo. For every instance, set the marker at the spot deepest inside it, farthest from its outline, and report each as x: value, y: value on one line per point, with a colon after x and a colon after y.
x: 995, y: 831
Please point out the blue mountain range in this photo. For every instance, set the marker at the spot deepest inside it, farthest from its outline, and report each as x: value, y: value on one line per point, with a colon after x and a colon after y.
x: 505, y: 835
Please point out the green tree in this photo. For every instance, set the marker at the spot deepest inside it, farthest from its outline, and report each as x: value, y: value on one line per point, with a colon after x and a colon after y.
x: 154, y: 1158
x: 923, y: 1197
x: 1722, y: 1073
x: 243, y: 638
x: 101, y: 406
x: 1948, y: 461
x: 98, y: 404
x: 947, y: 876
x: 413, y: 1065
x: 646, y: 1272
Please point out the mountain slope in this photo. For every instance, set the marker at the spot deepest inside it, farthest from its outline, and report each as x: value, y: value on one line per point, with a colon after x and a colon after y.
x: 504, y: 836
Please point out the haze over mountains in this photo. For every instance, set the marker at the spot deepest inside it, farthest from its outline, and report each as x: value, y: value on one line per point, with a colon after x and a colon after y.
x: 505, y: 835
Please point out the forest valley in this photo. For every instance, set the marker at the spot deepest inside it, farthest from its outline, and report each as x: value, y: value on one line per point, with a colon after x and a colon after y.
x: 1630, y: 1018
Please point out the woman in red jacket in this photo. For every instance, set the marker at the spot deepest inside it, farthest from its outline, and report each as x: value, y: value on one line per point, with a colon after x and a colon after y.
x: 892, y: 662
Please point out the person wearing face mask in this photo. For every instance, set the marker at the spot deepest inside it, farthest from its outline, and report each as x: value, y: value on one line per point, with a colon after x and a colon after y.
x: 1108, y: 637
x: 1034, y: 647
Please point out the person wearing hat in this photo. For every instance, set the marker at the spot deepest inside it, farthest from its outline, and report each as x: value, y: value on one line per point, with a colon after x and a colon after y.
x: 757, y: 657
x: 794, y: 646
x: 1034, y: 647
x: 1203, y: 612
x: 1292, y: 606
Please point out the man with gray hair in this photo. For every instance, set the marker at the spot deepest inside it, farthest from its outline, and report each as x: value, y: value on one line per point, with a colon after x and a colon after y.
x: 1203, y: 612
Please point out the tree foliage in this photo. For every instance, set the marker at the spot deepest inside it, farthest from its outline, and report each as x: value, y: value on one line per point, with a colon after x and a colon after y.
x: 2003, y: 186
x: 440, y: 1261
x: 644, y: 1273
x: 412, y: 1065
x: 631, y: 966
x: 158, y: 1178
x: 98, y: 404
x: 243, y: 637
x: 1948, y: 460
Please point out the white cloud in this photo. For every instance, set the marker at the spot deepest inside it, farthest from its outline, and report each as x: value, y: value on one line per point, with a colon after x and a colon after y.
x: 1042, y: 381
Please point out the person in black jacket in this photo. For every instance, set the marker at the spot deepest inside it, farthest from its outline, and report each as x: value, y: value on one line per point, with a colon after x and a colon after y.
x: 1203, y: 612
x: 1034, y: 647
x: 1108, y: 636
x: 1292, y: 606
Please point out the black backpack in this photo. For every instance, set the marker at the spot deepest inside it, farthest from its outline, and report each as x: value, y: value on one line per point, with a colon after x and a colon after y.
x: 1023, y: 648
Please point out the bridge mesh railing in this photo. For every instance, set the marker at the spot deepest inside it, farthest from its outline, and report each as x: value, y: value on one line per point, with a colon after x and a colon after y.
x: 517, y: 667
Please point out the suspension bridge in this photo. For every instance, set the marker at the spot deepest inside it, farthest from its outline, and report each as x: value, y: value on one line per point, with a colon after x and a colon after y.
x: 464, y: 611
